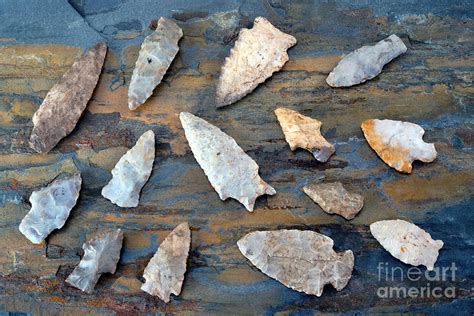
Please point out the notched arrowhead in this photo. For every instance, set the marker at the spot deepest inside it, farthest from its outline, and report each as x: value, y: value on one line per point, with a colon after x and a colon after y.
x: 398, y: 143
x: 66, y: 101
x: 300, y: 259
x: 407, y: 242
x: 131, y: 172
x: 156, y: 54
x: 164, y: 274
x: 304, y: 132
x: 257, y: 54
x: 50, y: 208
x: 333, y: 198
x: 231, y: 172
x: 101, y: 255
x: 366, y: 62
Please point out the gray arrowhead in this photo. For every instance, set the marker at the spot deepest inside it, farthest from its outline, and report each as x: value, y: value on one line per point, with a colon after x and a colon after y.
x: 366, y: 62
x: 101, y: 255
x: 63, y: 105
x: 50, y: 208
x: 131, y: 172
x: 156, y: 54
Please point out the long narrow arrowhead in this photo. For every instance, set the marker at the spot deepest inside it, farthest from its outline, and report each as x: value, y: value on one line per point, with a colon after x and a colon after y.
x: 156, y: 54
x: 101, y: 255
x: 257, y: 54
x: 63, y: 105
x: 164, y: 274
x: 131, y: 172
x: 300, y: 259
x: 50, y: 208
x: 229, y: 169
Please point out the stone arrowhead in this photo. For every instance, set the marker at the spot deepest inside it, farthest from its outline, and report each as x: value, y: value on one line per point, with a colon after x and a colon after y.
x: 231, y: 172
x: 335, y: 199
x: 156, y: 54
x: 131, y: 172
x: 300, y: 259
x: 304, y: 132
x: 63, y: 105
x: 398, y: 143
x: 257, y: 54
x: 407, y: 242
x: 101, y: 255
x: 366, y: 62
x: 164, y: 274
x: 50, y: 208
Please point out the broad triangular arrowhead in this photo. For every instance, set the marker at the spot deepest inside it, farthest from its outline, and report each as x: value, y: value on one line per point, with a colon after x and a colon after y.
x: 229, y: 169
x: 164, y: 274
x: 63, y: 105
x: 300, y: 259
x: 257, y: 54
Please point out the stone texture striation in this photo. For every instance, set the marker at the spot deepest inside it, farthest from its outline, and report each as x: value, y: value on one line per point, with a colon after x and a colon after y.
x: 257, y: 54
x: 66, y: 101
x: 231, y: 172
x: 50, y: 208
x: 407, y: 242
x: 131, y: 172
x: 156, y: 54
x: 164, y: 274
x: 398, y: 143
x: 366, y: 62
x: 300, y: 259
x: 101, y: 255
x: 304, y: 132
x: 333, y: 198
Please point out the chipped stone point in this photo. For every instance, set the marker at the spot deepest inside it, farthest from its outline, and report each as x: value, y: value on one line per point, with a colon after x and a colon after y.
x: 101, y: 255
x: 304, y: 132
x: 50, y: 208
x: 398, y: 143
x: 366, y: 62
x: 300, y: 259
x: 156, y: 54
x: 131, y: 172
x: 66, y: 101
x: 231, y: 172
x: 164, y: 274
x: 407, y: 242
x: 257, y: 54
x: 333, y: 198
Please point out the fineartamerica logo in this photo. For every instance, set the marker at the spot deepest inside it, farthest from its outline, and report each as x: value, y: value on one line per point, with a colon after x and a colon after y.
x: 416, y: 274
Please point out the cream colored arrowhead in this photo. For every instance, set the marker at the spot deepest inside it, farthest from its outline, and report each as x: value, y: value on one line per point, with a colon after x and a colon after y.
x: 66, y: 101
x: 131, y: 172
x: 101, y: 255
x: 50, y: 208
x: 304, y: 132
x: 257, y: 54
x: 231, y: 172
x: 366, y: 62
x: 300, y: 259
x: 398, y: 143
x: 407, y: 242
x: 156, y: 54
x: 164, y: 274
x: 335, y: 199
